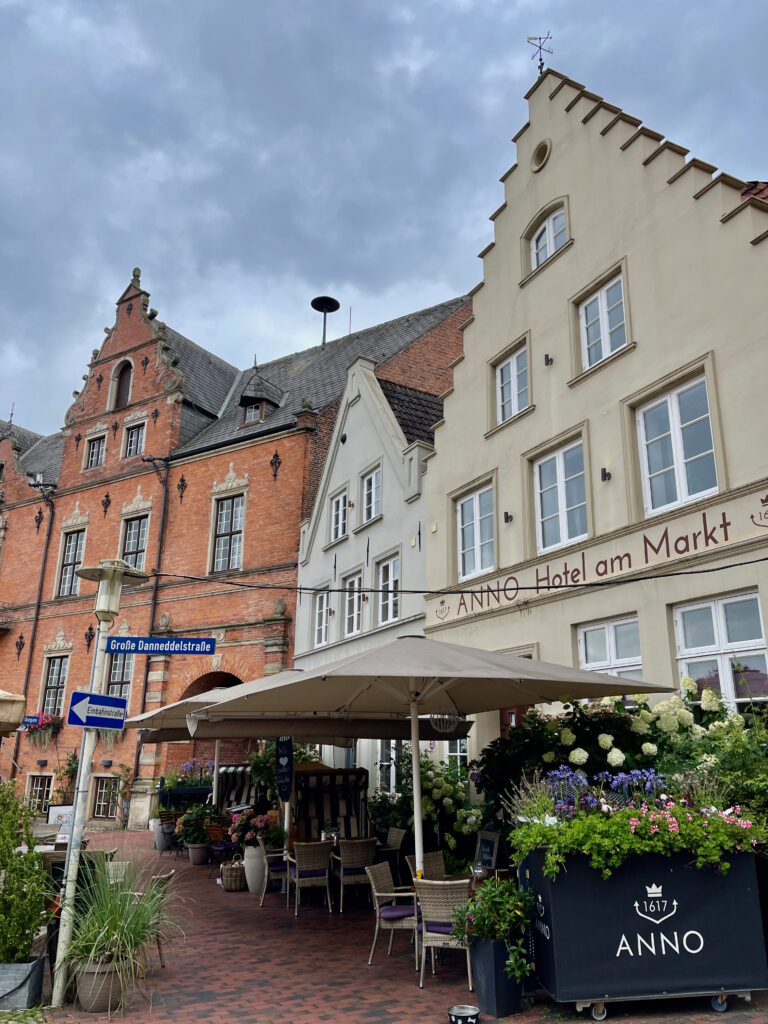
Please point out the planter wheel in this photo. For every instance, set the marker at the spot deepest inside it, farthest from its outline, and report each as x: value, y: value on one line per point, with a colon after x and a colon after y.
x: 719, y: 1003
x: 599, y: 1011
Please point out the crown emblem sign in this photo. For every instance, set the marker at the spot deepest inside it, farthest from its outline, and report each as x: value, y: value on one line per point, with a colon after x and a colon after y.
x: 654, y: 891
x: 764, y: 501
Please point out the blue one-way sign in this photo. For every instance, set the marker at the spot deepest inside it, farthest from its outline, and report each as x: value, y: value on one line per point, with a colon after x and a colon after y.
x: 97, y: 711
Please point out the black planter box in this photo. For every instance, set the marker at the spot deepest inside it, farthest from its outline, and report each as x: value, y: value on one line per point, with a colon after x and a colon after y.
x: 658, y: 926
x: 497, y: 994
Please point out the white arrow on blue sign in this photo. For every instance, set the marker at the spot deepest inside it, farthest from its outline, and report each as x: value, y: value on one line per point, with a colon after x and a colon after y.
x: 97, y: 711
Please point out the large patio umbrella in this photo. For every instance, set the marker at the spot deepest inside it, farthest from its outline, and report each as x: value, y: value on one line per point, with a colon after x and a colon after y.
x: 13, y: 707
x: 414, y: 676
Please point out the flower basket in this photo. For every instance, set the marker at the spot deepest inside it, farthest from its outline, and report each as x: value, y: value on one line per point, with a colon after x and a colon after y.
x: 233, y: 874
x: 40, y: 732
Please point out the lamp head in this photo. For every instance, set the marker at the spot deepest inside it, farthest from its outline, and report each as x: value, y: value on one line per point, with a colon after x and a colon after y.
x: 109, y: 574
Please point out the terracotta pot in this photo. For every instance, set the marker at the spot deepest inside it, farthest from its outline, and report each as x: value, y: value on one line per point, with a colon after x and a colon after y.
x: 98, y: 988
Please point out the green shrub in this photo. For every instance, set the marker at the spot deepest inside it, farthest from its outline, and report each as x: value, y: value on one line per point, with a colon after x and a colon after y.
x: 25, y: 889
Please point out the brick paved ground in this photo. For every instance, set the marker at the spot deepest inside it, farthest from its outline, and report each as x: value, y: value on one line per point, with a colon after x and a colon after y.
x: 239, y: 963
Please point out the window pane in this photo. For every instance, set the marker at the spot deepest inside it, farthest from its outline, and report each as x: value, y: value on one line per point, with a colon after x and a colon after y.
x: 705, y: 674
x: 700, y: 474
x: 547, y: 473
x: 698, y: 628
x: 613, y: 295
x: 236, y: 551
x: 628, y: 673
x: 618, y: 337
x: 663, y: 489
x: 550, y: 532
x: 577, y: 521
x: 656, y: 421
x: 692, y: 403
x: 660, y: 455
x: 574, y: 491
x: 485, y: 502
x: 749, y: 676
x: 573, y: 460
x: 595, y: 646
x: 742, y: 620
x: 549, y: 503
x: 627, y: 638
x: 697, y: 438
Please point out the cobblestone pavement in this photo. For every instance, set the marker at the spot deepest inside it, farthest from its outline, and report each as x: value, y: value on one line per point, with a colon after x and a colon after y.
x: 240, y: 963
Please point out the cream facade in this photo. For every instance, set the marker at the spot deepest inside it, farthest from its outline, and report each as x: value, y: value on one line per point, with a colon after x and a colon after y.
x: 598, y: 494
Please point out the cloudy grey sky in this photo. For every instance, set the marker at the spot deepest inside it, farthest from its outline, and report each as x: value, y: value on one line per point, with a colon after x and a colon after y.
x: 250, y: 154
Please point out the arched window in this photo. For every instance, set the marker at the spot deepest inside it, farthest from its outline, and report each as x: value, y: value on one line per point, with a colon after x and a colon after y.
x: 123, y: 390
x: 550, y: 237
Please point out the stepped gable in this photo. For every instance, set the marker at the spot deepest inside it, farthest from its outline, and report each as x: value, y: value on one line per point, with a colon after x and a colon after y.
x: 318, y: 373
x: 415, y: 411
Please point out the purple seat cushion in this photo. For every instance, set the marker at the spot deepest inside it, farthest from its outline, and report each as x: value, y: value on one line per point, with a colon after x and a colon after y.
x: 308, y: 872
x: 395, y: 913
x: 441, y: 927
x: 353, y: 871
x: 277, y: 867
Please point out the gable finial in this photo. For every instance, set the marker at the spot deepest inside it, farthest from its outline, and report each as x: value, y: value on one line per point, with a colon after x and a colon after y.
x: 537, y: 42
x: 10, y: 417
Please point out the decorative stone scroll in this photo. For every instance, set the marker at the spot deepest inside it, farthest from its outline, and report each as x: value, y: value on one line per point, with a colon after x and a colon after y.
x: 231, y: 482
x: 139, y: 504
x: 59, y: 644
x: 137, y: 416
x: 97, y: 428
x: 77, y: 520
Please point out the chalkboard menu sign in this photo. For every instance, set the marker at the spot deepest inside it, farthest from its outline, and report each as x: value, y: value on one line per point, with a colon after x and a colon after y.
x: 284, y: 767
x: 486, y: 850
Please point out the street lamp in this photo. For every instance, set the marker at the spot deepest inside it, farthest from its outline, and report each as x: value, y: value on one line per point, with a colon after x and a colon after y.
x: 109, y: 574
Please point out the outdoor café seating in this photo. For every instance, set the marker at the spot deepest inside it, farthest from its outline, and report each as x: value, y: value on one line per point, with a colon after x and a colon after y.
x: 437, y: 900
x: 392, y: 848
x: 350, y: 862
x: 276, y: 867
x: 309, y: 867
x: 391, y: 915
x: 434, y: 865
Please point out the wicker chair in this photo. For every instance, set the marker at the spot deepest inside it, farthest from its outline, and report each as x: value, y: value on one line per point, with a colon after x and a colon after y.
x: 350, y: 862
x: 221, y: 846
x: 434, y: 865
x: 436, y: 902
x: 309, y: 867
x: 277, y: 867
x: 392, y: 848
x: 392, y: 916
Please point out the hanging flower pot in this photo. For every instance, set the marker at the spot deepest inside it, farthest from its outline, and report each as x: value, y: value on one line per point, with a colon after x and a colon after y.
x: 40, y: 732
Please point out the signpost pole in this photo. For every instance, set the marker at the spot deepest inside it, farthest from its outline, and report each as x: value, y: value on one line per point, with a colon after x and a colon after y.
x: 109, y: 575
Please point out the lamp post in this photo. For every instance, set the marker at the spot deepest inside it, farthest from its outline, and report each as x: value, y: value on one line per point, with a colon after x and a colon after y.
x: 109, y: 574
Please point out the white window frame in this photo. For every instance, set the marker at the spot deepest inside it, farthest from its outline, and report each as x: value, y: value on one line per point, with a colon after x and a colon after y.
x: 46, y: 785
x: 612, y: 663
x: 229, y: 567
x: 456, y: 752
x: 73, y: 583
x: 320, y: 609
x: 134, y: 430
x: 562, y: 510
x: 388, y: 591
x: 61, y: 690
x: 252, y: 413
x: 393, y: 748
x: 338, y: 516
x: 509, y: 372
x: 353, y: 604
x: 112, y: 803
x: 138, y: 557
x: 370, y: 487
x: 601, y: 297
x: 721, y: 650
x: 120, y: 667
x: 547, y: 229
x: 678, y: 463
x: 101, y: 441
x: 474, y: 500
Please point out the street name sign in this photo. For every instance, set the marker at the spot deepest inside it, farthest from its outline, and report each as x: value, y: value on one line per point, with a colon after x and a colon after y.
x: 160, y: 645
x: 97, y: 711
x: 31, y: 719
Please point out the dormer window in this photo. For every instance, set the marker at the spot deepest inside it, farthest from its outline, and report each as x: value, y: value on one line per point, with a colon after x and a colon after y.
x: 123, y: 389
x: 254, y: 413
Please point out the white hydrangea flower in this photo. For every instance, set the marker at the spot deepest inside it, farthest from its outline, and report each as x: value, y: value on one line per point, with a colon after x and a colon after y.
x: 549, y: 757
x: 605, y: 740
x: 615, y: 757
x: 688, y: 685
x: 717, y: 728
x: 640, y: 727
x: 471, y: 819
x: 710, y: 701
x: 567, y: 738
x: 608, y: 702
x: 649, y: 749
x: 707, y: 763
x: 578, y: 756
x: 698, y: 731
x: 685, y: 717
x: 646, y: 716
x: 737, y: 722
x: 668, y: 723
x: 447, y: 802
x: 639, y: 698
x: 552, y: 725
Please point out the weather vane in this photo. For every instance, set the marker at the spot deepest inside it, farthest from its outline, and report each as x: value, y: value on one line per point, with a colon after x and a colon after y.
x: 537, y: 42
x: 10, y: 418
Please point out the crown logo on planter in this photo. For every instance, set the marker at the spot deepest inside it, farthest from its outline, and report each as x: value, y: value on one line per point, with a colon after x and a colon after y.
x: 654, y: 891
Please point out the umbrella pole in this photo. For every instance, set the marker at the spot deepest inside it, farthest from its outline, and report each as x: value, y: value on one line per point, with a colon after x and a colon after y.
x: 216, y: 759
x: 418, y: 825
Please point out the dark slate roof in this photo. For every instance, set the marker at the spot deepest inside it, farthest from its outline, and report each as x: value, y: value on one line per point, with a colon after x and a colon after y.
x: 416, y: 411
x: 207, y: 379
x: 317, y: 373
x: 26, y: 438
x: 44, y: 457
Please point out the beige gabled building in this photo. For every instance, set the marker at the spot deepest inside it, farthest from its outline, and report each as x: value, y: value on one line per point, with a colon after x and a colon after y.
x: 607, y: 422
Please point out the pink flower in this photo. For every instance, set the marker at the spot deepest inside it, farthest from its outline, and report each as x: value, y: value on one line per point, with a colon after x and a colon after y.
x: 654, y: 828
x: 250, y: 835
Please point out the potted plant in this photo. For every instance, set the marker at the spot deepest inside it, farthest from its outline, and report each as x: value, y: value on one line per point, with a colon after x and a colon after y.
x: 41, y: 731
x: 666, y: 877
x: 493, y: 922
x: 115, y: 921
x: 23, y: 897
x: 191, y: 825
x: 246, y: 829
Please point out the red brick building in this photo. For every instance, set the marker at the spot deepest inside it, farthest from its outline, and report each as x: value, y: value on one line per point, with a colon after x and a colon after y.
x: 176, y: 461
